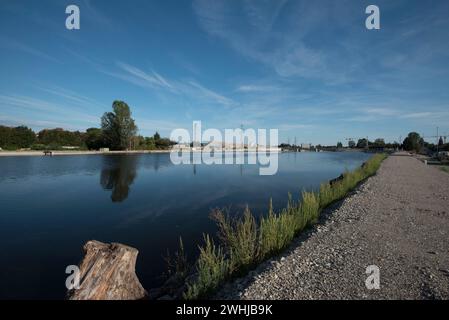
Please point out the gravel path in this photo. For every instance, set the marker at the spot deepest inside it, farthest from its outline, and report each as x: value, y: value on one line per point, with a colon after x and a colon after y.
x: 397, y: 220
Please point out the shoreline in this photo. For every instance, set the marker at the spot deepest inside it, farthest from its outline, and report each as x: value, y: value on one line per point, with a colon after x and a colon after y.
x: 87, y: 152
x: 35, y: 153
x: 74, y: 153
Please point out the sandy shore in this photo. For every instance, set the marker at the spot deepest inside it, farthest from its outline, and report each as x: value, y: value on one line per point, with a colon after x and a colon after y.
x: 74, y: 153
x: 397, y: 220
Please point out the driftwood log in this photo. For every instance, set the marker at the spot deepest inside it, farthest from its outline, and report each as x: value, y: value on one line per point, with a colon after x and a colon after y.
x: 107, y: 272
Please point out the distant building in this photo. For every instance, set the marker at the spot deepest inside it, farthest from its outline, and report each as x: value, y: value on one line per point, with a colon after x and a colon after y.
x: 214, y: 146
x: 443, y: 155
x: 181, y: 146
x: 305, y: 146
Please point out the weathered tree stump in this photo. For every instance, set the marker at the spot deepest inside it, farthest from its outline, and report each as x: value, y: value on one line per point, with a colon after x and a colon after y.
x: 107, y: 272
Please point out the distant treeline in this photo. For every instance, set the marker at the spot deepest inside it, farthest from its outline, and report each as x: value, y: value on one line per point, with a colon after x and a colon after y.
x: 117, y: 132
x: 360, y: 144
x: 413, y: 142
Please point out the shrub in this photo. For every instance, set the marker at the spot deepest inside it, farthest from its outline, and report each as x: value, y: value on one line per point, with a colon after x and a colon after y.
x: 38, y: 147
x: 212, y: 269
x: 309, y: 208
x: 327, y: 195
x: 178, y: 266
x: 276, y: 231
x: 239, y: 237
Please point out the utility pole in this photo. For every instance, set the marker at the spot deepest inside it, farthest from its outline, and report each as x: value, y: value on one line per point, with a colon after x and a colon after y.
x: 438, y: 140
x: 241, y: 137
x: 195, y: 141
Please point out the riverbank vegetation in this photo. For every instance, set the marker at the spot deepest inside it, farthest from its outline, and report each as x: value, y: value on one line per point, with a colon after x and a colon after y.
x: 245, y: 242
x: 118, y: 132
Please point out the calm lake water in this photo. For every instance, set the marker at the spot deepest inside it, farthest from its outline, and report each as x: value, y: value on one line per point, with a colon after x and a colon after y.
x: 50, y: 206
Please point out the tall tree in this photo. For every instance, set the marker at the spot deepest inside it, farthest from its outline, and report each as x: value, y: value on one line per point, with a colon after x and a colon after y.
x: 118, y: 126
x: 379, y: 143
x: 413, y: 142
x: 362, y: 143
x: 351, y: 144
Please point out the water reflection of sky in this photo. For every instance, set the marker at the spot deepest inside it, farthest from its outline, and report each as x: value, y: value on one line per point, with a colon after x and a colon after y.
x: 52, y: 205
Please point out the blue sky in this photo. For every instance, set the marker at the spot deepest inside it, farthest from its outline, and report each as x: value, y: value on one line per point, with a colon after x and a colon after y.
x: 309, y: 68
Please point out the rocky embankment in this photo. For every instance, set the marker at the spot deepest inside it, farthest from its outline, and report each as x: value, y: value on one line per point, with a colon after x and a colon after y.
x: 397, y: 220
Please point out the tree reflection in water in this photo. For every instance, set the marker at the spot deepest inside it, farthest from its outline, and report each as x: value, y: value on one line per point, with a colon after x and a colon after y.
x: 118, y: 174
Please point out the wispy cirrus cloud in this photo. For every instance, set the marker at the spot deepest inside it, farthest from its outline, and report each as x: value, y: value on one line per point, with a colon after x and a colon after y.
x: 98, y: 17
x: 40, y: 124
x: 43, y: 108
x: 136, y: 76
x: 153, y: 80
x: 440, y: 115
x: 81, y: 101
x: 207, y: 93
x: 284, y: 37
x: 296, y: 126
x: 15, y: 45
x: 435, y: 115
x: 158, y: 125
x: 256, y: 88
x: 254, y: 35
x: 381, y: 111
x: 419, y: 115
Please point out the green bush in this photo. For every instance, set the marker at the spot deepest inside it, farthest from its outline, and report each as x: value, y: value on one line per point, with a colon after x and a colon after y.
x: 39, y: 147
x: 327, y: 194
x: 276, y: 232
x: 239, y: 237
x: 16, y: 138
x: 212, y: 268
x: 309, y: 208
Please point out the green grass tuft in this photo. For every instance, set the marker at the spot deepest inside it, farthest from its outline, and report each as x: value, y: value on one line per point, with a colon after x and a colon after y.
x: 445, y: 169
x: 239, y: 237
x: 212, y: 268
x: 276, y: 231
